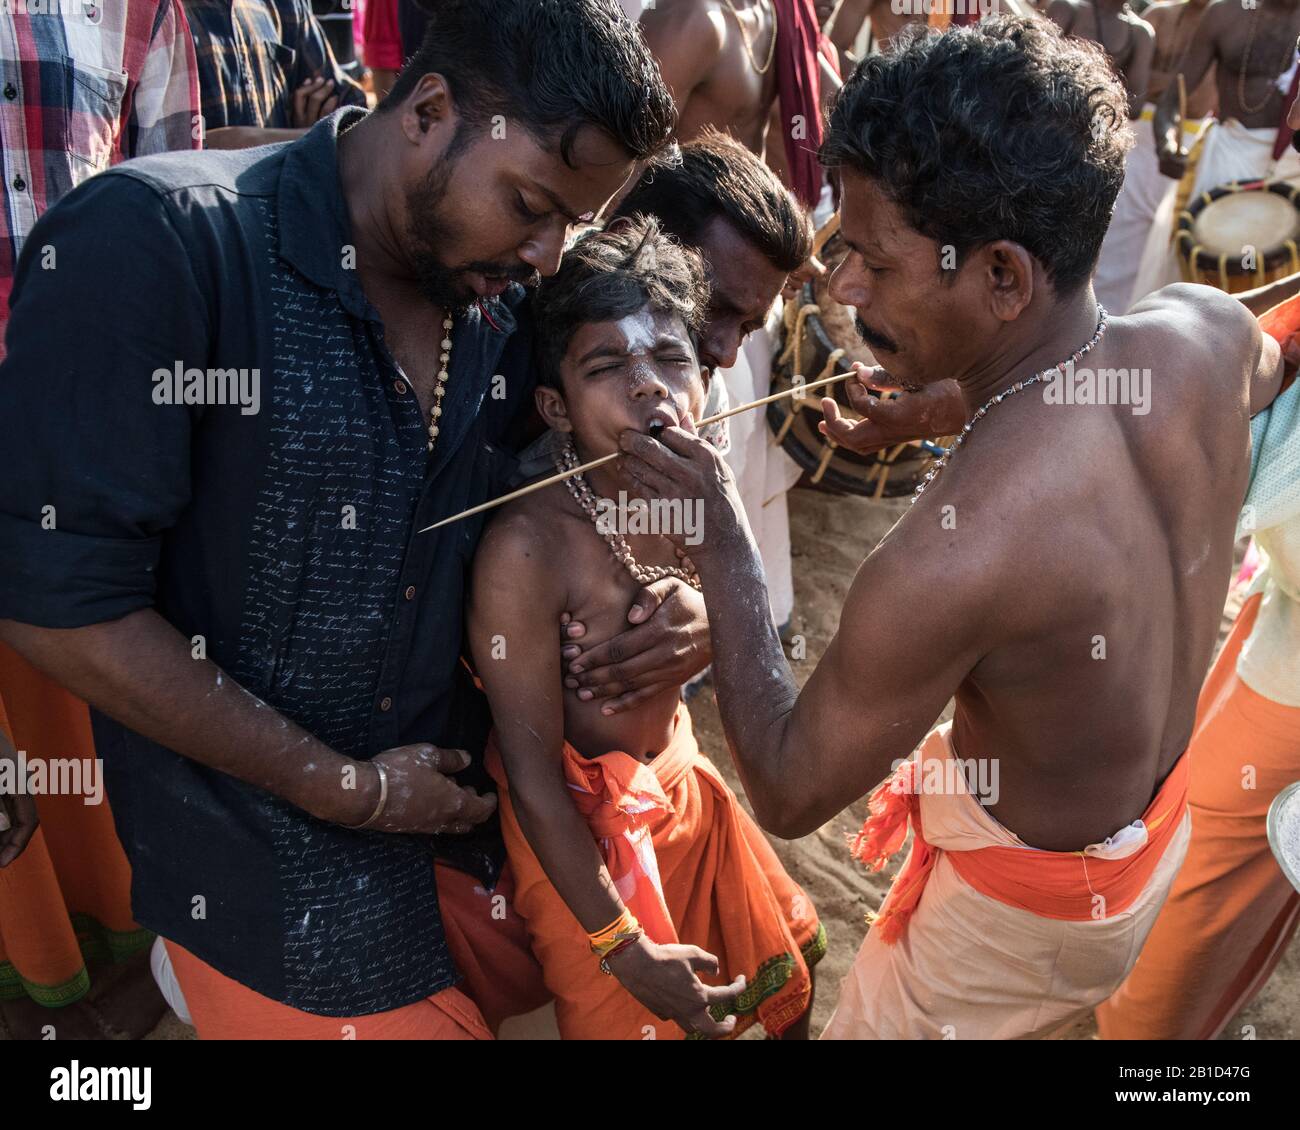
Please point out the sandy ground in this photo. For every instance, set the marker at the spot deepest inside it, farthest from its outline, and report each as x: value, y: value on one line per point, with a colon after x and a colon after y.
x: 831, y: 535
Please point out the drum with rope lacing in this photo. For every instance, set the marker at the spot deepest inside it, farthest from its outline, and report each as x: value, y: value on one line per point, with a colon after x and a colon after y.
x: 1240, y: 236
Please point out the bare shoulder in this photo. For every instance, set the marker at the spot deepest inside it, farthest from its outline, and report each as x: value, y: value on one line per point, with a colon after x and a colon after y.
x: 1164, y: 15
x: 697, y: 22
x: 517, y: 551
x: 1062, y: 12
x: 1220, y: 15
x: 952, y: 546
x: 1138, y: 24
x: 1199, y: 317
x: 1203, y: 340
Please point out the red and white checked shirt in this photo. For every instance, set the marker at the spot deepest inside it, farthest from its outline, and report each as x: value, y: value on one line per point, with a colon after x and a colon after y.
x: 85, y: 84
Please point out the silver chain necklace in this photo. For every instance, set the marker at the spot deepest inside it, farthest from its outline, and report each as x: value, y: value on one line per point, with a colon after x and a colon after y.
x: 565, y: 460
x: 1073, y: 359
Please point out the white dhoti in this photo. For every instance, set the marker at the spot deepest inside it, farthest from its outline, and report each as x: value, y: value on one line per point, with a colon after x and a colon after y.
x: 764, y: 473
x: 1231, y: 153
x: 1145, y: 189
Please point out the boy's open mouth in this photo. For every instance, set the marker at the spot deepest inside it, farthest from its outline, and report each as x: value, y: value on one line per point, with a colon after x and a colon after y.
x: 662, y: 417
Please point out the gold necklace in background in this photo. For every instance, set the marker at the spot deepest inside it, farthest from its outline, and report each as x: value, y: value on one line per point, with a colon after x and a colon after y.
x: 1272, y: 89
x: 749, y: 48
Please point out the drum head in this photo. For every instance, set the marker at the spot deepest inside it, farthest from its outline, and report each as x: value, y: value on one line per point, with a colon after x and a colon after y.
x: 1262, y: 220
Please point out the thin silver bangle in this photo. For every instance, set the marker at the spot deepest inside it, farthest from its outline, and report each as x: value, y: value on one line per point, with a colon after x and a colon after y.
x: 383, y: 799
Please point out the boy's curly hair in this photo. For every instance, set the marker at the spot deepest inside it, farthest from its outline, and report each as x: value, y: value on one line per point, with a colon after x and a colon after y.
x: 607, y: 275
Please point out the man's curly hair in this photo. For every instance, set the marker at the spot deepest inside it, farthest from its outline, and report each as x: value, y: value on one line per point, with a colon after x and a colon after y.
x: 1004, y: 129
x: 607, y: 275
x: 713, y: 176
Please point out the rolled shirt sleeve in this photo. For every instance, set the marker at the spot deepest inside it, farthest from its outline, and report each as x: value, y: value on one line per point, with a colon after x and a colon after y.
x: 92, y: 470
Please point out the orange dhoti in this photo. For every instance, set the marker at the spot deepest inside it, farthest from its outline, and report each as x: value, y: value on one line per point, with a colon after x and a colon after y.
x: 1232, y: 911
x: 983, y: 937
x: 693, y: 867
x: 67, y: 898
x: 489, y: 945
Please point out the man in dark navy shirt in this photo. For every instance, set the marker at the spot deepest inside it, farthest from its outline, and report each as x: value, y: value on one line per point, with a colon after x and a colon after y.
x: 249, y: 380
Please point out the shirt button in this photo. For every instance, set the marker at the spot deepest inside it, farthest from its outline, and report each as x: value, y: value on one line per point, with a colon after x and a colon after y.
x: 11, y: 91
x: 410, y: 592
x: 19, y: 183
x: 386, y: 704
x: 399, y: 387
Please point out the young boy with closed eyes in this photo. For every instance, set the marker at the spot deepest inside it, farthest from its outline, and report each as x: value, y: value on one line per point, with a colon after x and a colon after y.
x: 648, y: 892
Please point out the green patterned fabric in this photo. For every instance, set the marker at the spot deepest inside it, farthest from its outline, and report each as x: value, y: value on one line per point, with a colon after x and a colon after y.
x: 770, y: 978
x: 97, y: 944
x: 1273, y: 497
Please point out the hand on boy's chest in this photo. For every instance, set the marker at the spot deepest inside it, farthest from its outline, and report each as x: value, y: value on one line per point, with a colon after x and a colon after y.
x: 600, y: 588
x: 601, y: 592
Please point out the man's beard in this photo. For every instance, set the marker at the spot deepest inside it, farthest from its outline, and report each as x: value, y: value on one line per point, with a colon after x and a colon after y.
x: 426, y: 230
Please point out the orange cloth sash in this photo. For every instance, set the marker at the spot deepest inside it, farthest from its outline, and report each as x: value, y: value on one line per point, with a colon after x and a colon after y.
x: 616, y: 796
x: 693, y: 867
x: 1051, y: 884
x: 1282, y: 324
x: 1231, y: 913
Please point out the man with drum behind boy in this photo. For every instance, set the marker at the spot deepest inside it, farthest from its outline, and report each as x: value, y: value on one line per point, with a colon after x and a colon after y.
x: 1145, y: 187
x: 730, y: 70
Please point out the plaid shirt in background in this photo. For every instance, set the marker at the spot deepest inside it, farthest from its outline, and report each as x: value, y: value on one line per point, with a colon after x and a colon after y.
x: 85, y: 84
x: 253, y: 54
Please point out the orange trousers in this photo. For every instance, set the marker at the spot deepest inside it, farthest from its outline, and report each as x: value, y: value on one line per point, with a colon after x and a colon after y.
x: 1231, y: 912
x: 488, y: 943
x: 67, y: 898
x: 224, y: 1009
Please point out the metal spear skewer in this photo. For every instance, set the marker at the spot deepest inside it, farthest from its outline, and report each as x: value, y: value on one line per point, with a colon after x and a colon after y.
x: 796, y: 390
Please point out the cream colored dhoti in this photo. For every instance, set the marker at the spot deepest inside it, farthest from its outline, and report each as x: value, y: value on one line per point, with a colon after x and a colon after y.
x: 1145, y: 189
x: 1231, y: 153
x: 970, y: 967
